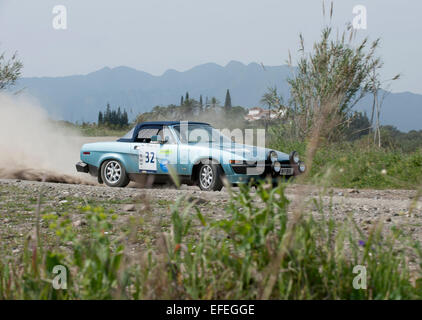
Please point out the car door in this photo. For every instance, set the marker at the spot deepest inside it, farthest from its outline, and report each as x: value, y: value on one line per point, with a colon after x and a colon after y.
x: 142, y: 153
x: 167, y: 154
x: 152, y: 157
x: 182, y: 150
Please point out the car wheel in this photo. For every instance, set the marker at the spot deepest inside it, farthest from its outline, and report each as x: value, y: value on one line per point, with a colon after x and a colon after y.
x: 114, y: 174
x: 209, y: 178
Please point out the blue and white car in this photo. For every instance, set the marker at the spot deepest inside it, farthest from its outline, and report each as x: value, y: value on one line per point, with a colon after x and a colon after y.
x: 195, y: 151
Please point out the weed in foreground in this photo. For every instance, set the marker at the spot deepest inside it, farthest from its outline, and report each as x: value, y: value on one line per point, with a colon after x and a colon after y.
x: 260, y: 250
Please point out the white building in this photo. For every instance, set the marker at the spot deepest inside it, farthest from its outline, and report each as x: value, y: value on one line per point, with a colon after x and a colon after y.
x: 258, y: 113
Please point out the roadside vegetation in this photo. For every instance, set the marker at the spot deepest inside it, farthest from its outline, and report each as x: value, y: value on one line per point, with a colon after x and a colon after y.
x: 92, y: 129
x: 264, y: 247
x: 360, y: 164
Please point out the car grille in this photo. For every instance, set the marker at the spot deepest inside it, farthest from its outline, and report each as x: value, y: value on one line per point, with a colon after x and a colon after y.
x: 241, y: 169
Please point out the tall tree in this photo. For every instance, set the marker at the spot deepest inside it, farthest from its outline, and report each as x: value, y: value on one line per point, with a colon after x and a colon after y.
x: 119, y: 117
x: 187, y: 97
x: 181, y: 101
x: 200, y: 101
x: 269, y: 100
x: 107, y: 114
x: 125, y: 120
x: 214, y: 102
x: 100, y: 118
x: 228, y: 102
x: 10, y: 70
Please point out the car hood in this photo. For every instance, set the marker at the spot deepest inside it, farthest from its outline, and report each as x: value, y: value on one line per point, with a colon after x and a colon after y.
x: 249, y: 152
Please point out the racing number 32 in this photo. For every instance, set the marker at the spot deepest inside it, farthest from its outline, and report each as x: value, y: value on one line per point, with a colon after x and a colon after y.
x: 149, y: 157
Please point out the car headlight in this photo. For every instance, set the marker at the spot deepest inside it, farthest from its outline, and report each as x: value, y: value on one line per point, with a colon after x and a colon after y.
x: 277, y: 166
x: 294, y: 157
x: 273, y: 156
x: 302, y: 167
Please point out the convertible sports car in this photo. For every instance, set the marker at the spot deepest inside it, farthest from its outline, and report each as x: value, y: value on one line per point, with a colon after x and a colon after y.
x: 195, y: 151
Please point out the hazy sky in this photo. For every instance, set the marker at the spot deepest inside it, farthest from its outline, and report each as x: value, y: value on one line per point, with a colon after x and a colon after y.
x: 157, y: 35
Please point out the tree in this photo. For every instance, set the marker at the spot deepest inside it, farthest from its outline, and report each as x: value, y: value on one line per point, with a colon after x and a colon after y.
x: 378, y: 98
x: 181, y: 101
x: 107, y: 114
x: 113, y: 118
x: 228, y: 102
x: 125, y: 119
x: 214, y: 102
x: 200, y: 101
x: 119, y: 117
x: 329, y: 81
x: 188, y: 107
x: 271, y: 100
x: 10, y: 70
x: 100, y: 118
x: 187, y: 97
x: 357, y: 127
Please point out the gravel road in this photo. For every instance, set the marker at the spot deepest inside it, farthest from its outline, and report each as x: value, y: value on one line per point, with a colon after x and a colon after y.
x: 393, y: 207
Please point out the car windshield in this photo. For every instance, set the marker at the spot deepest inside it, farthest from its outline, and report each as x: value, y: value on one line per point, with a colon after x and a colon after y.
x: 199, y: 133
x: 129, y: 135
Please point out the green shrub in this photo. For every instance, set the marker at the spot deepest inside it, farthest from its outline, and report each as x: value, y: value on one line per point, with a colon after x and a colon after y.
x: 357, y: 165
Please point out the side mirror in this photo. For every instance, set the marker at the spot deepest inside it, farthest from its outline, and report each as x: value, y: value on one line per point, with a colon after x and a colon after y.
x: 158, y: 139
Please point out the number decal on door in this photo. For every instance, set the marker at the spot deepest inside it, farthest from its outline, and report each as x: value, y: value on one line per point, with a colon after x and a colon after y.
x: 147, y: 157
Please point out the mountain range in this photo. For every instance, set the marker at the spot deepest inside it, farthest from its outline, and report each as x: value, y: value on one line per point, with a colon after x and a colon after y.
x: 81, y: 97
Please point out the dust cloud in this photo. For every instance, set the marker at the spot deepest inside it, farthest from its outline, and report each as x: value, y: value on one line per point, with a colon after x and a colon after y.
x: 32, y: 147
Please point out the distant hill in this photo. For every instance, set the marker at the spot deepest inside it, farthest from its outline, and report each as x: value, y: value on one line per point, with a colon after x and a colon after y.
x: 402, y: 110
x: 80, y: 97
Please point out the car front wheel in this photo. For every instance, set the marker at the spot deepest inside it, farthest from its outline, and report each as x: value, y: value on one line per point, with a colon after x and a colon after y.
x: 210, y: 177
x: 114, y: 174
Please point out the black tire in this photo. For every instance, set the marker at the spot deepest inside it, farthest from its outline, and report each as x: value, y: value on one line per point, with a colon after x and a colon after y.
x: 210, y: 177
x: 113, y: 174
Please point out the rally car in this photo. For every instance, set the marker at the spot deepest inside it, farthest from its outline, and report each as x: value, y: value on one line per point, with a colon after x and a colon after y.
x: 194, y: 151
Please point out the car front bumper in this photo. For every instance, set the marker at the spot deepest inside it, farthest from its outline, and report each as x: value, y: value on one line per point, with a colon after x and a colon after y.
x: 243, y: 178
x: 244, y: 173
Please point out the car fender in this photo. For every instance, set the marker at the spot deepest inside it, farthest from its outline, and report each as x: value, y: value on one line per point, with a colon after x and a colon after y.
x: 112, y: 156
x: 221, y: 157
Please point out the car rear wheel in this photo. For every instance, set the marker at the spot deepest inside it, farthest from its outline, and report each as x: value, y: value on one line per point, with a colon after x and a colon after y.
x: 114, y: 174
x: 209, y: 177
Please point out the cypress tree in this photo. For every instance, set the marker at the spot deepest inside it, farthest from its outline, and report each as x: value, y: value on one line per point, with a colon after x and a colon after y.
x: 200, y: 101
x: 187, y: 97
x: 119, y: 117
x: 125, y: 120
x: 107, y: 116
x: 181, y: 101
x: 100, y: 118
x: 228, y: 102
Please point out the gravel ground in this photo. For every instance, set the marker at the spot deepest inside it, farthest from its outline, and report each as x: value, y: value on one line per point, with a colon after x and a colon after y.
x: 18, y: 200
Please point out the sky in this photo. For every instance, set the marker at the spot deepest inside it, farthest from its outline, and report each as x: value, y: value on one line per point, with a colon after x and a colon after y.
x: 157, y: 35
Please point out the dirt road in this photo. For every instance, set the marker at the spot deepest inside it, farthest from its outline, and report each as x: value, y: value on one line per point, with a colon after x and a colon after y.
x: 397, y: 208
